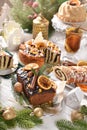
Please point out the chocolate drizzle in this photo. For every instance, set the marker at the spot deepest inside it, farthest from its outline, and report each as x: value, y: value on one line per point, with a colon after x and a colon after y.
x: 29, y: 81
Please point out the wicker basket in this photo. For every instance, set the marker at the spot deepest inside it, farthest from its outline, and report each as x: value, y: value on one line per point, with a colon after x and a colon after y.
x: 41, y: 26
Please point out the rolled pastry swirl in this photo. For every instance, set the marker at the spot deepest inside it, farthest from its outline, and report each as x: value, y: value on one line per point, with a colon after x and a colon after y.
x: 71, y: 74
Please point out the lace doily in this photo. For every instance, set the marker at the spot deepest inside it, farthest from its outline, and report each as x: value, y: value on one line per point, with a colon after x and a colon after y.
x: 60, y: 26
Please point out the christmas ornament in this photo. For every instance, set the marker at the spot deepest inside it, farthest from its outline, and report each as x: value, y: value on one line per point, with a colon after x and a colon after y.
x: 38, y: 112
x: 10, y: 118
x: 18, y: 87
x: 76, y: 115
x: 9, y: 113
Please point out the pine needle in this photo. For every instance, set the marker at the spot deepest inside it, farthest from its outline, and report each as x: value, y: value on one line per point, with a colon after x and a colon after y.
x: 25, y: 120
x: 68, y: 125
x: 25, y: 123
x: 10, y: 123
x: 81, y: 123
x: 83, y: 110
x: 65, y: 125
x: 42, y: 69
x: 3, y: 126
x: 7, y: 123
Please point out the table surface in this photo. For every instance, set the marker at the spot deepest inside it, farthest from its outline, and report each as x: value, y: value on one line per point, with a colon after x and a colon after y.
x: 7, y: 98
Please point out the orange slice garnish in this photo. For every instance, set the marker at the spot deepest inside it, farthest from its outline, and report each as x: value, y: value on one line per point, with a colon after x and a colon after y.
x: 83, y: 86
x: 31, y: 66
x: 44, y: 82
x: 82, y: 63
x: 41, y: 45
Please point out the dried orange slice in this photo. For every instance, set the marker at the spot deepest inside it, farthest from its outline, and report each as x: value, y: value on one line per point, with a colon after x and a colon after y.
x: 44, y: 82
x: 82, y: 63
x: 31, y: 66
x: 83, y: 86
x: 41, y: 45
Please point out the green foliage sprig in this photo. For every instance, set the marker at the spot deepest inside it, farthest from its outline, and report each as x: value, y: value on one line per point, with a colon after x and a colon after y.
x: 75, y: 125
x: 24, y: 11
x: 83, y: 110
x: 23, y: 119
x: 68, y: 125
x: 3, y: 126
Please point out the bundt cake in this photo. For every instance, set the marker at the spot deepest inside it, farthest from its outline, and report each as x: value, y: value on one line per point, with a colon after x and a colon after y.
x: 72, y: 11
x: 39, y: 89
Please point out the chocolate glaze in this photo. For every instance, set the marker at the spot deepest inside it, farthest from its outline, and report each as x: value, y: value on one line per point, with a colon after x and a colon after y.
x: 28, y: 80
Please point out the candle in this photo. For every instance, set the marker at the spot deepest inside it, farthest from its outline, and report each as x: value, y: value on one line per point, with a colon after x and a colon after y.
x: 40, y: 24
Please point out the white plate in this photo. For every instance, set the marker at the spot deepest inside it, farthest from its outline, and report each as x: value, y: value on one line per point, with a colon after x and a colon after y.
x: 11, y: 70
x: 7, y: 71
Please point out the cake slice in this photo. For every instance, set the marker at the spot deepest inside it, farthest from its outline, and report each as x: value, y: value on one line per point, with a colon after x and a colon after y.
x: 39, y: 51
x: 6, y: 60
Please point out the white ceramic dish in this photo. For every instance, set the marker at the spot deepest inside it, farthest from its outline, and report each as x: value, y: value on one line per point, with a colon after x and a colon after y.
x: 15, y: 65
x: 7, y: 71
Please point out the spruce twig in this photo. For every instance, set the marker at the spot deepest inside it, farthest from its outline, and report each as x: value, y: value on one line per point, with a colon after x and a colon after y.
x: 68, y: 125
x: 10, y: 123
x: 23, y: 119
x: 83, y: 110
x: 81, y: 123
x: 3, y: 126
x: 65, y: 125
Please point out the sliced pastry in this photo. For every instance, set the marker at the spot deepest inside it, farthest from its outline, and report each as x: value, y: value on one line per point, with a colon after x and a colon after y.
x: 39, y: 51
x: 6, y: 60
x: 71, y: 74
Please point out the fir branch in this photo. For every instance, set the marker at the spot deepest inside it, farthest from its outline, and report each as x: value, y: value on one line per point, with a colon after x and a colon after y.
x: 7, y: 123
x: 3, y: 126
x: 23, y: 113
x: 68, y: 125
x: 10, y: 123
x: 21, y: 11
x: 83, y: 110
x: 65, y: 125
x: 36, y: 120
x: 43, y: 68
x: 81, y: 123
x: 25, y: 123
x: 34, y: 71
x: 25, y: 120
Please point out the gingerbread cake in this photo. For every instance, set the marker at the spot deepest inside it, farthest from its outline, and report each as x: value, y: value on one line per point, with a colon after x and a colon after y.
x: 39, y: 89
